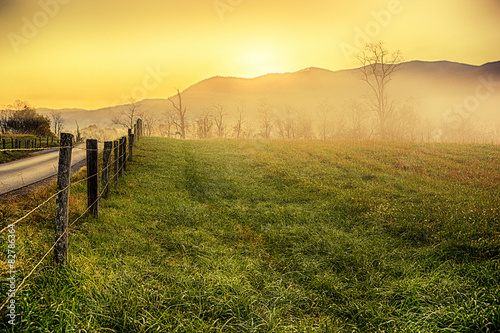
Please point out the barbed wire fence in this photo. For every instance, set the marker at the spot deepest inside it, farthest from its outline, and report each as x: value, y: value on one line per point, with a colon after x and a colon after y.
x: 117, y: 149
x: 32, y: 144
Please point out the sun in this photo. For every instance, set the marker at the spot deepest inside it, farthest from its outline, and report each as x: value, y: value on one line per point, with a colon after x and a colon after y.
x: 258, y: 61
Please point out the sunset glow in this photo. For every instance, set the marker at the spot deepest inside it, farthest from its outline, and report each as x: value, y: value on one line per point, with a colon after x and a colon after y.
x: 89, y: 53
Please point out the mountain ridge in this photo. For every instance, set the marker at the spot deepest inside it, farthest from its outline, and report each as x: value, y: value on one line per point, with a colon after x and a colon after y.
x: 436, y: 85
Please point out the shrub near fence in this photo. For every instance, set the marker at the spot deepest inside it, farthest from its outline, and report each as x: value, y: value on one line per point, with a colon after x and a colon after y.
x: 60, y: 246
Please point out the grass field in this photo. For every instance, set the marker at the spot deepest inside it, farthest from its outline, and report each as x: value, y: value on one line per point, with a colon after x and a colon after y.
x: 271, y: 236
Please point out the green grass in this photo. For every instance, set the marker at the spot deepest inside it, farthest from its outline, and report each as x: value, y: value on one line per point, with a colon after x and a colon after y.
x: 271, y: 236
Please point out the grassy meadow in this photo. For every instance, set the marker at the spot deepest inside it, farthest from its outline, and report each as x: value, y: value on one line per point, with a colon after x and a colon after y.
x: 273, y: 236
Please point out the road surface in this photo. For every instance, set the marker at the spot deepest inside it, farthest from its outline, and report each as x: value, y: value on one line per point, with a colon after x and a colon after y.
x: 27, y: 171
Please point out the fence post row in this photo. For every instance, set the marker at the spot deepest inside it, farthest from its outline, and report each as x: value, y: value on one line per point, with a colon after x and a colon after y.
x: 119, y: 148
x: 62, y: 203
x: 93, y: 179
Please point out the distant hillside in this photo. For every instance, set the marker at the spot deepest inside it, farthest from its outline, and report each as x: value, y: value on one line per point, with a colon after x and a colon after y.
x: 434, y: 86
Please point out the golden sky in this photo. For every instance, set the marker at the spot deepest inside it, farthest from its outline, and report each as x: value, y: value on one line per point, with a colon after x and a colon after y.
x: 96, y: 53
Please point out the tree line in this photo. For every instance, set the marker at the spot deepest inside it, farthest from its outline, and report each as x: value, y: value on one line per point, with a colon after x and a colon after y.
x: 22, y: 118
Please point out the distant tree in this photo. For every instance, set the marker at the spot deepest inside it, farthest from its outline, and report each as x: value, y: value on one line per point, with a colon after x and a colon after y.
x: 4, y: 116
x: 150, y: 120
x: 128, y: 115
x: 266, y: 117
x: 408, y: 121
x: 78, y: 134
x: 21, y: 118
x: 378, y: 67
x: 286, y: 123
x: 57, y: 121
x: 357, y: 119
x: 305, y: 126
x: 218, y: 116
x: 238, y: 128
x: 180, y: 119
x: 204, y: 123
x: 43, y: 129
x: 167, y: 123
x: 324, y: 114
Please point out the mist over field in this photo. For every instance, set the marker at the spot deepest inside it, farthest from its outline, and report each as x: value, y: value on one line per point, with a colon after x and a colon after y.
x: 435, y: 101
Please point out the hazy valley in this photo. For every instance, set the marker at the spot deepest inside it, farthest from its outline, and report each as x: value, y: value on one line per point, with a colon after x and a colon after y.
x: 436, y: 95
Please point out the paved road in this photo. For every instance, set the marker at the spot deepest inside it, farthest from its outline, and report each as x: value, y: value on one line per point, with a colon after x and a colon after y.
x: 18, y: 174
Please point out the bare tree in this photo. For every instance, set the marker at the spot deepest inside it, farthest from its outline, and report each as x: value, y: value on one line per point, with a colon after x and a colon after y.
x: 165, y: 127
x: 219, y: 115
x: 180, y: 119
x: 287, y: 123
x: 305, y: 126
x: 357, y: 118
x: 378, y: 67
x: 408, y: 121
x: 204, y: 124
x: 150, y: 120
x: 324, y: 112
x: 128, y: 115
x: 266, y: 116
x: 58, y: 122
x: 238, y: 128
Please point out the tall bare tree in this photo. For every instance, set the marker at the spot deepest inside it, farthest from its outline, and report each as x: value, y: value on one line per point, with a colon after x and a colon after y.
x: 238, y: 128
x: 219, y: 115
x: 128, y: 115
x: 267, y: 119
x: 378, y: 67
x: 180, y: 119
x: 58, y: 122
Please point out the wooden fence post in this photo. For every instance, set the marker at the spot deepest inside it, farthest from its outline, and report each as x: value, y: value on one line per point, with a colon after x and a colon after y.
x: 135, y: 134
x: 106, y: 166
x: 124, y: 153
x: 116, y: 164
x: 130, y: 144
x: 62, y: 202
x: 121, y: 157
x: 93, y: 181
x: 139, y: 129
